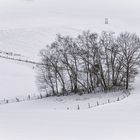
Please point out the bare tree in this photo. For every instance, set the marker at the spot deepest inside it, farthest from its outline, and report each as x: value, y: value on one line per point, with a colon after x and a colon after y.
x: 89, y: 61
x: 129, y: 45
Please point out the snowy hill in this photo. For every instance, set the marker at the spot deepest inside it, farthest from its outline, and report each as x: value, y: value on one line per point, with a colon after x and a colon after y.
x: 34, y: 120
x: 27, y: 26
x: 17, y: 79
x: 26, y: 35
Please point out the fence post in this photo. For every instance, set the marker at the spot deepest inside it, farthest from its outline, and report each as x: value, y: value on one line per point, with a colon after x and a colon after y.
x: 89, y: 105
x: 78, y: 107
x: 29, y: 97
x: 17, y: 99
x: 41, y: 96
x: 108, y: 101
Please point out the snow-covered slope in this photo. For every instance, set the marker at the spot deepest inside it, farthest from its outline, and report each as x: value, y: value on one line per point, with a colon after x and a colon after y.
x: 17, y: 79
x: 32, y: 121
x: 29, y: 41
x: 26, y: 26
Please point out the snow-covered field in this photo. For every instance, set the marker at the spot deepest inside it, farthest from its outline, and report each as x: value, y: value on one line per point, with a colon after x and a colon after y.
x: 71, y: 102
x: 26, y: 26
x: 34, y: 121
x: 17, y: 79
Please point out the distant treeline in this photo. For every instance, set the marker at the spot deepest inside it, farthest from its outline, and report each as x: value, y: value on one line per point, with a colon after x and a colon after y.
x: 89, y: 62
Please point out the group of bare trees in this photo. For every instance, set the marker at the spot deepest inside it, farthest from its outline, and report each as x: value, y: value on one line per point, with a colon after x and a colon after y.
x: 89, y: 62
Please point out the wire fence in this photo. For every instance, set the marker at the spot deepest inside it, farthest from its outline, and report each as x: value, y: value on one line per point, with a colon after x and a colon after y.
x: 89, y: 105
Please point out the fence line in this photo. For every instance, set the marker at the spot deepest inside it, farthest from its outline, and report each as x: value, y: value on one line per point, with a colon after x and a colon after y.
x: 124, y: 95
